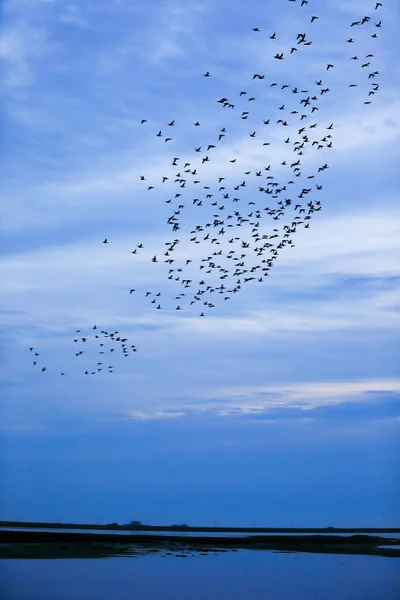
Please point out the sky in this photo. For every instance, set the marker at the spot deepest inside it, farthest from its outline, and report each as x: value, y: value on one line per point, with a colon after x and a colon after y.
x: 279, y: 403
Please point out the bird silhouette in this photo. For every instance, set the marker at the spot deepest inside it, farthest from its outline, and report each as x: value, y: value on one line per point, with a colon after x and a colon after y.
x: 238, y: 237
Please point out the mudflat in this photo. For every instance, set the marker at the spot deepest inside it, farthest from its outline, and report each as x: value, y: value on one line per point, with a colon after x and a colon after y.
x: 55, y: 544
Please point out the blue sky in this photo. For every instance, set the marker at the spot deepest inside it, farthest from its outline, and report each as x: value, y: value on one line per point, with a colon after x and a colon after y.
x: 281, y: 404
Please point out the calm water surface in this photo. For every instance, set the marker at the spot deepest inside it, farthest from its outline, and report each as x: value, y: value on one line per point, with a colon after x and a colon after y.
x: 242, y: 575
x: 186, y: 533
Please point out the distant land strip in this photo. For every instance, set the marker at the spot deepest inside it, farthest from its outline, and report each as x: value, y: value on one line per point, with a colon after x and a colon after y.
x: 189, y: 528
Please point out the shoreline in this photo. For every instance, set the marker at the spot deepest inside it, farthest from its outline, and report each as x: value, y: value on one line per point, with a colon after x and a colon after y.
x: 194, y: 529
x: 40, y: 544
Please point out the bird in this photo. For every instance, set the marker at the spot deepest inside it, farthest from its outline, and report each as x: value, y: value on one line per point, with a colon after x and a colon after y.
x: 105, y: 241
x: 218, y: 194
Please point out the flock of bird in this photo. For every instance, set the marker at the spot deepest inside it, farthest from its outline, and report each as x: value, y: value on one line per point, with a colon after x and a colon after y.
x: 238, y: 240
x: 95, y: 346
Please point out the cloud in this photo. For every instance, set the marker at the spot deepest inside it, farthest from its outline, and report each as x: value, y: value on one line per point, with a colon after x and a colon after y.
x: 366, y: 132
x: 280, y: 401
x: 156, y: 416
x: 21, y: 48
x: 312, y: 394
x: 102, y: 274
x: 329, y: 317
x: 90, y: 194
x: 72, y: 177
x: 168, y: 28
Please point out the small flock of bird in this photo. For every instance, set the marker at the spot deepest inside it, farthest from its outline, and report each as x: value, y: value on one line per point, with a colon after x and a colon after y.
x: 94, y: 349
x: 238, y: 239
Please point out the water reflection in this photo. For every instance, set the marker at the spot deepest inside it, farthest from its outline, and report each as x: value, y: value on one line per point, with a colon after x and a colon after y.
x: 239, y: 575
x: 58, y: 545
x: 184, y: 533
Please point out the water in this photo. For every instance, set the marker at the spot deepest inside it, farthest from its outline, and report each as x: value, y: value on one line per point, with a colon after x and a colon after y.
x: 243, y: 575
x: 187, y: 533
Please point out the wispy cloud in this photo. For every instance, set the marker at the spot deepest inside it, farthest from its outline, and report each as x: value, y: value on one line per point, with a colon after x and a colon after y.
x: 357, y: 138
x: 21, y: 47
x: 84, y: 75
x: 156, y: 416
x: 270, y: 400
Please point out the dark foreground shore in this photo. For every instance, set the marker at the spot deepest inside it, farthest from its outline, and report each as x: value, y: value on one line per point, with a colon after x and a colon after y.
x: 40, y: 544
